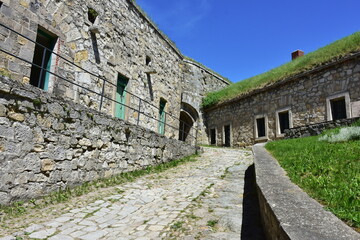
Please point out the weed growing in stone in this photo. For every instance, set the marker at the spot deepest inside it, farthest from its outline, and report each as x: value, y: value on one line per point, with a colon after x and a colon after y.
x: 328, y: 172
x: 212, y: 223
x: 177, y: 225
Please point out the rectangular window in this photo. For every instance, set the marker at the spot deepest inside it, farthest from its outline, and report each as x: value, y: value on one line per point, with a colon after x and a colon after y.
x: 261, y: 128
x: 338, y: 108
x: 162, y: 116
x: 212, y: 136
x: 39, y: 76
x: 1, y: 3
x: 121, y: 96
x: 227, y: 135
x: 284, y: 121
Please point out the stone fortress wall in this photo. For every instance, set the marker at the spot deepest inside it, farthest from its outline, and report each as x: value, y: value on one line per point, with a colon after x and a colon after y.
x: 48, y: 143
x: 121, y: 42
x: 326, y: 93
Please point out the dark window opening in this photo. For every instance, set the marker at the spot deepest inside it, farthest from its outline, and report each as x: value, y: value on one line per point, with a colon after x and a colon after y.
x: 147, y: 60
x: 121, y: 96
x: 212, y: 136
x: 1, y: 4
x: 92, y: 15
x: 39, y: 76
x: 148, y: 76
x: 284, y: 121
x: 95, y: 47
x: 227, y: 135
x: 338, y: 108
x: 260, y: 124
x: 162, y: 116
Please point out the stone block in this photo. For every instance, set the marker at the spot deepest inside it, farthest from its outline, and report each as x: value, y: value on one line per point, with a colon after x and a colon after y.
x: 81, y: 56
x: 3, y: 110
x: 47, y: 165
x: 16, y: 116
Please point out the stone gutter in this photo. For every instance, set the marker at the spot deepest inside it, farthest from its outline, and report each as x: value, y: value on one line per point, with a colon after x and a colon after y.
x: 287, y: 212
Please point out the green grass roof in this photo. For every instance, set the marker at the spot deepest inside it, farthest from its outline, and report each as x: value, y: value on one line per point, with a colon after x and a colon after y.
x: 331, y: 52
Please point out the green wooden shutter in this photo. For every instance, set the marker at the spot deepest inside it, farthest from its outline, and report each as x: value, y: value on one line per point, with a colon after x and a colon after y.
x: 121, y: 97
x: 162, y: 117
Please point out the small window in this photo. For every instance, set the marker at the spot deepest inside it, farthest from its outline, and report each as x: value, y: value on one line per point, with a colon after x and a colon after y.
x: 162, y: 116
x: 151, y: 92
x: 147, y: 61
x: 212, y: 136
x: 284, y: 121
x: 1, y: 4
x: 338, y: 108
x: 92, y: 15
x: 40, y: 70
x: 120, y: 97
x: 261, y: 128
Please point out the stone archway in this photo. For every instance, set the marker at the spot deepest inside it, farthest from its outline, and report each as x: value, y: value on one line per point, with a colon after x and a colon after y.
x: 188, y: 118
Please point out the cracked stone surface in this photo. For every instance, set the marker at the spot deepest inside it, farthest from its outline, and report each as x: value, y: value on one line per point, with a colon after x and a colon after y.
x: 196, y: 200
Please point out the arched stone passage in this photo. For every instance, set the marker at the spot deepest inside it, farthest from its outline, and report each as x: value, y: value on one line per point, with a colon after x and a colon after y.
x: 188, y: 117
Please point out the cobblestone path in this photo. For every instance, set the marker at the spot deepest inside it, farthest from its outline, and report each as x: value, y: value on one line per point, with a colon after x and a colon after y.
x: 197, y: 200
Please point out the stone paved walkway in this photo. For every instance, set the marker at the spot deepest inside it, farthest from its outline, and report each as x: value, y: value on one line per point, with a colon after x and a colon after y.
x: 197, y: 200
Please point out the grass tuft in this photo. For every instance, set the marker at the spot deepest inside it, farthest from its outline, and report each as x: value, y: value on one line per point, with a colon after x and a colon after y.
x: 332, y: 52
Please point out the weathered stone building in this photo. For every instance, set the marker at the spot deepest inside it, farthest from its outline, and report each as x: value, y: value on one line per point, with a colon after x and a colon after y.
x: 117, y: 50
x: 89, y: 89
x: 326, y: 93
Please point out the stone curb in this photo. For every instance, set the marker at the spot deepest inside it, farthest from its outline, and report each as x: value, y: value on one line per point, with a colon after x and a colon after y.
x: 286, y: 211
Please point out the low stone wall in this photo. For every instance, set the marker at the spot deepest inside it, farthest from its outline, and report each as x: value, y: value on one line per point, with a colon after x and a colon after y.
x: 318, y: 128
x: 47, y: 144
x: 289, y: 213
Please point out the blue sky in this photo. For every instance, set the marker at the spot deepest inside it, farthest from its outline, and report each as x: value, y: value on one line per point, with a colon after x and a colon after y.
x: 240, y: 39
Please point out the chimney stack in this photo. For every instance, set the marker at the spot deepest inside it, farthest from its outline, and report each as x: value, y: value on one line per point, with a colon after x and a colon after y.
x: 296, y: 54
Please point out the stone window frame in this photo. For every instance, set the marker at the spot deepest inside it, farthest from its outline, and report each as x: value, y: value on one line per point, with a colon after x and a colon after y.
x: 287, y: 109
x: 266, y: 137
x: 223, y: 133
x: 345, y: 95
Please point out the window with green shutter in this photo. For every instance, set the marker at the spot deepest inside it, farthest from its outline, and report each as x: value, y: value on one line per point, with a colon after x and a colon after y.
x: 121, y: 97
x: 162, y: 116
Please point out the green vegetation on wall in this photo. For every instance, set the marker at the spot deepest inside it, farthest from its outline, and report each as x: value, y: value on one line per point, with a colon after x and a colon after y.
x: 332, y: 52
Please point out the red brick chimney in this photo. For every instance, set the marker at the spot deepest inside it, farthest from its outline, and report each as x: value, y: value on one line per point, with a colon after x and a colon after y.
x: 296, y: 54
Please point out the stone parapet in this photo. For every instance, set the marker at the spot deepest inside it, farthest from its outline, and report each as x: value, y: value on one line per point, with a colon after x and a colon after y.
x: 287, y: 212
x: 318, y: 128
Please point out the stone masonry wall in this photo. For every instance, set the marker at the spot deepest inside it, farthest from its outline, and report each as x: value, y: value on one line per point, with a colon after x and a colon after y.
x: 48, y: 143
x: 305, y: 96
x: 118, y: 42
x: 197, y: 82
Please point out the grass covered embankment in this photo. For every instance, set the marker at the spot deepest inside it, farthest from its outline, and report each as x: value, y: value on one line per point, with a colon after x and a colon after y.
x: 331, y: 52
x: 328, y: 171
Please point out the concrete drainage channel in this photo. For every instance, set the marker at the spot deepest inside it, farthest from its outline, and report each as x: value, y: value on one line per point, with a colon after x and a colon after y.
x: 286, y: 211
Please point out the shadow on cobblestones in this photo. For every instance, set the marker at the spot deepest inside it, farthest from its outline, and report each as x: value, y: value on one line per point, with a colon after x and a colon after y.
x: 251, y: 223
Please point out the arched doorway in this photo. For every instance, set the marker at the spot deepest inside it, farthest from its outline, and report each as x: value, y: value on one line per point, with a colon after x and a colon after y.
x: 188, y: 117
